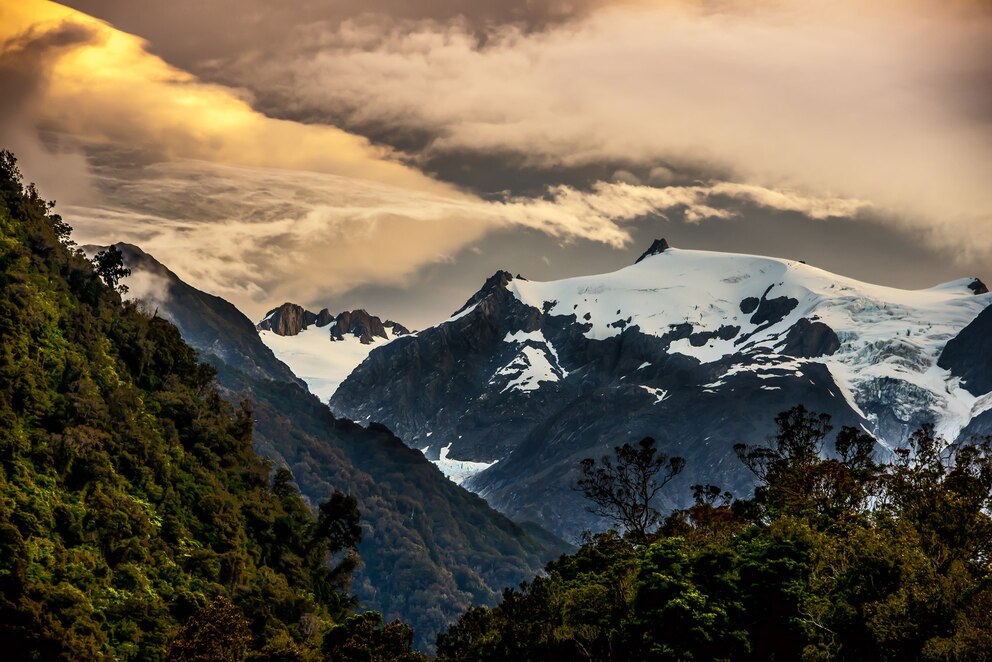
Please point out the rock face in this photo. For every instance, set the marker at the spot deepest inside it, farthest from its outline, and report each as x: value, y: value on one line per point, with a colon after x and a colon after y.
x: 287, y: 320
x: 363, y: 326
x: 657, y: 246
x: 290, y: 319
x: 699, y: 350
x: 969, y: 355
x: 324, y: 317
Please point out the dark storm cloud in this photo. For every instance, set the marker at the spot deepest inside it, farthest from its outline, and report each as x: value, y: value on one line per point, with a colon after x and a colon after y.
x: 212, y: 38
x: 885, y: 102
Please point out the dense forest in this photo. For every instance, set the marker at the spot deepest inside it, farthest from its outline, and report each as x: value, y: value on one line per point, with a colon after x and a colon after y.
x: 136, y: 521
x: 844, y: 558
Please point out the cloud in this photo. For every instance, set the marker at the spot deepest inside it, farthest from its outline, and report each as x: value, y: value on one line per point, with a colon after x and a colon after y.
x: 188, y: 32
x: 257, y: 236
x: 191, y: 172
x: 598, y: 214
x: 106, y: 88
x: 25, y: 63
x: 258, y: 209
x: 884, y: 102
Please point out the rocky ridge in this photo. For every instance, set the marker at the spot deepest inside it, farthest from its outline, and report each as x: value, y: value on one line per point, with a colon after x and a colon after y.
x: 291, y: 319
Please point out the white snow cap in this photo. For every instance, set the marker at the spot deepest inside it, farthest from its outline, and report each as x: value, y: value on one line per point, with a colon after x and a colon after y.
x: 883, y: 331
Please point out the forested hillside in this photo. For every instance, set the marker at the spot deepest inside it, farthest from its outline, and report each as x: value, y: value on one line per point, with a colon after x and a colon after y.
x: 430, y: 549
x: 833, y: 559
x: 136, y: 522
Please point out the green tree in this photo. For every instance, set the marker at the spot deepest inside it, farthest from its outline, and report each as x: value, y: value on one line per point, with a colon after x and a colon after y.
x: 364, y: 638
x: 217, y: 633
x: 795, y: 478
x: 686, y: 607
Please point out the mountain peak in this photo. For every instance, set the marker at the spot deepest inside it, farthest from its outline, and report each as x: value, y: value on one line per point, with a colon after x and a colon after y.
x: 657, y: 246
x: 364, y: 326
x: 287, y: 320
x: 978, y: 287
x: 497, y: 281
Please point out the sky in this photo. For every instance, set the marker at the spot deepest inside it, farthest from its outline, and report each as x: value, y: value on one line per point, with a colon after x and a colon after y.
x: 392, y: 154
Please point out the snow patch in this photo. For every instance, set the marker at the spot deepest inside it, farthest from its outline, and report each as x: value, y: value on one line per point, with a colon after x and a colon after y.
x: 458, y: 471
x: 535, y: 363
x: 659, y: 394
x: 320, y: 362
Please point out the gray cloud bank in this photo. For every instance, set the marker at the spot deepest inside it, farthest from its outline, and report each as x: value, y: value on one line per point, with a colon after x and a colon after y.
x: 883, y: 102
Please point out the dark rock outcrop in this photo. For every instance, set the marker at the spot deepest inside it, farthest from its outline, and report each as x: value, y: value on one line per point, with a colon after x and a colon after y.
x: 324, y: 317
x: 772, y: 311
x: 749, y: 305
x: 363, y: 326
x: 360, y: 324
x: 657, y: 246
x: 290, y: 319
x: 498, y: 281
x: 969, y: 354
x: 725, y: 332
x: 978, y: 287
x: 287, y: 320
x: 807, y: 340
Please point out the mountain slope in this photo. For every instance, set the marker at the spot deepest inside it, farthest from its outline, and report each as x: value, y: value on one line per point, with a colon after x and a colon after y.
x: 697, y: 349
x: 208, y: 323
x: 430, y: 549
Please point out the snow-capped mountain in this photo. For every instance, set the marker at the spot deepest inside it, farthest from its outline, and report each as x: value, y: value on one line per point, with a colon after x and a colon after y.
x: 322, y: 348
x: 697, y: 349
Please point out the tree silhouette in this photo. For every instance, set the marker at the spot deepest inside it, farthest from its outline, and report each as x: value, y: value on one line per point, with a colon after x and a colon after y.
x: 623, y: 487
x: 109, y: 265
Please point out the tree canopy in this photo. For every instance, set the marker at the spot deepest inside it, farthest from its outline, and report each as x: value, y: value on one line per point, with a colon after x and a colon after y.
x: 838, y: 555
